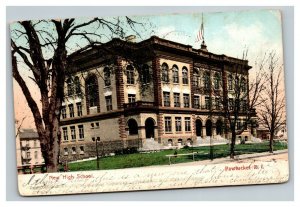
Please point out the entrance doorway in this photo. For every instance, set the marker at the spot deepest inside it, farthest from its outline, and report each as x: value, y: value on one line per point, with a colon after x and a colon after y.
x: 198, y: 128
x: 208, y: 126
x: 149, y: 127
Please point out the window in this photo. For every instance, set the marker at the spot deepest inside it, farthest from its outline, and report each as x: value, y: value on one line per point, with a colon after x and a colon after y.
x: 243, y: 85
x: 27, y: 143
x: 175, y: 74
x: 77, y: 85
x: 207, y: 103
x: 239, y: 124
x: 108, y: 103
x: 166, y: 98
x: 106, y: 72
x: 130, y: 74
x: 176, y: 100
x: 206, y: 80
x: 70, y: 89
x: 97, y: 125
x: 196, y: 78
x: 133, y: 127
x: 168, y: 124
x: 34, y: 143
x: 217, y: 81
x: 92, y: 91
x: 244, y: 105
x: 131, y: 98
x: 230, y: 83
x: 35, y: 154
x: 178, y: 124
x: 186, y: 100
x: 81, y: 149
x: 145, y: 74
x: 81, y: 132
x: 73, y: 150
x: 66, y: 151
x: 71, y: 110
x: 63, y: 112
x: 196, y: 102
x: 79, y: 109
x: 73, y: 133
x: 217, y: 103
x: 185, y: 77
x: 231, y: 104
x: 65, y: 134
x: 165, y: 72
x: 27, y: 155
x: 187, y: 124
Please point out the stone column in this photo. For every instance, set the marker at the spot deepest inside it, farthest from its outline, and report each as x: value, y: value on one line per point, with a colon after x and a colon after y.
x: 203, y: 132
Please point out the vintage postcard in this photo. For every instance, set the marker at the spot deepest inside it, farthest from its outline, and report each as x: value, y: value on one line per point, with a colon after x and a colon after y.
x: 126, y: 103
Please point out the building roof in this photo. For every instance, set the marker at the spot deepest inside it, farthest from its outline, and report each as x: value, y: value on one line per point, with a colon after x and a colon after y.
x: 28, y: 134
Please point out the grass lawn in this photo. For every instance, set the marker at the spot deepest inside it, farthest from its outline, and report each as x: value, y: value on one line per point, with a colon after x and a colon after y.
x: 159, y: 158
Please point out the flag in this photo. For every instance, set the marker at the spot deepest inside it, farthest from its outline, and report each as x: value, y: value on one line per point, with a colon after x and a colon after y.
x: 200, y: 35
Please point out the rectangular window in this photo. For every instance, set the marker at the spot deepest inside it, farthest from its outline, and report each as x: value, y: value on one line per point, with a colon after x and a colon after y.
x: 244, y: 105
x: 238, y: 124
x: 231, y: 104
x: 176, y: 100
x: 166, y: 98
x: 65, y: 151
x: 71, y: 110
x: 196, y: 102
x: 63, y: 112
x: 217, y: 103
x: 73, y: 133
x: 186, y: 100
x: 207, y: 103
x: 131, y: 98
x: 65, y: 134
x: 108, y: 101
x: 35, y: 154
x: 81, y: 150
x: 178, y: 124
x: 27, y: 155
x: 79, y: 109
x: 73, y: 150
x: 187, y: 123
x: 81, y: 132
x: 168, y: 124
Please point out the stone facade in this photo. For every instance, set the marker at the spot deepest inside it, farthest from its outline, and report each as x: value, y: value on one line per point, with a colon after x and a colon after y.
x: 154, y: 89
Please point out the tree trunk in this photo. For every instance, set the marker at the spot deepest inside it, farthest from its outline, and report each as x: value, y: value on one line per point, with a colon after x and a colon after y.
x: 271, y: 143
x: 232, y: 145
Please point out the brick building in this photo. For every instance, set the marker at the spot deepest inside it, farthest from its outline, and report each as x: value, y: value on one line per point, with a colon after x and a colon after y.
x: 125, y: 92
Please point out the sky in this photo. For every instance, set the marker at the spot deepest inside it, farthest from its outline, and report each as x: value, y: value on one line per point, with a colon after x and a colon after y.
x: 225, y: 33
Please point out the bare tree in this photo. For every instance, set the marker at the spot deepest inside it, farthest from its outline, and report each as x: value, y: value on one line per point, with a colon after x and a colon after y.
x: 43, y: 47
x: 272, y: 109
x: 19, y: 126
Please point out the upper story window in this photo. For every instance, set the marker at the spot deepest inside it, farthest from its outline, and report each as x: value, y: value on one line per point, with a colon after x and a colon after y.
x: 108, y: 101
x: 79, y: 109
x: 243, y: 85
x: 217, y: 81
x: 165, y: 72
x: 196, y: 102
x: 168, y: 124
x: 178, y: 124
x: 230, y: 83
x: 166, y: 98
x: 131, y: 98
x: 196, y: 78
x: 73, y: 132
x: 70, y: 89
x: 81, y: 131
x: 207, y: 102
x: 77, y: 85
x: 185, y: 76
x: 71, y: 110
x: 186, y: 100
x: 176, y: 99
x: 92, y: 91
x: 130, y: 74
x: 63, y: 112
x: 206, y: 80
x: 145, y: 74
x: 175, y: 74
x: 65, y: 133
x: 106, y: 72
x: 231, y: 104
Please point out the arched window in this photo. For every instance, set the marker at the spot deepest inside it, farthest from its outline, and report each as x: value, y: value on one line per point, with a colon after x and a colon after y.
x: 91, y: 86
x: 70, y: 89
x: 145, y: 74
x: 130, y: 74
x: 175, y: 74
x: 106, y: 72
x: 185, y: 77
x: 196, y: 78
x: 206, y: 80
x: 165, y: 72
x: 217, y: 81
x: 230, y: 83
x: 243, y: 85
x: 77, y: 85
x: 132, y: 126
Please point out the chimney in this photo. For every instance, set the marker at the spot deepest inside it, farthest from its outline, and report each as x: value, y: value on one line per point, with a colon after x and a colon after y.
x: 130, y: 38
